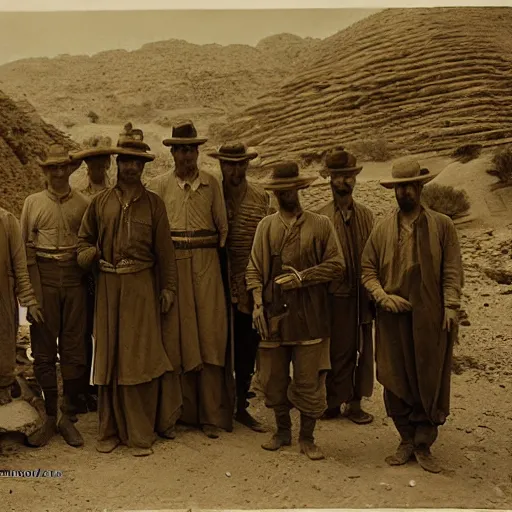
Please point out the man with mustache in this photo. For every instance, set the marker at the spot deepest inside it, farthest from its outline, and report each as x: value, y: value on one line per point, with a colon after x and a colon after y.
x: 246, y: 205
x: 295, y: 255
x: 412, y: 267
x: 199, y: 228
x: 351, y: 376
x: 50, y: 221
x: 125, y: 234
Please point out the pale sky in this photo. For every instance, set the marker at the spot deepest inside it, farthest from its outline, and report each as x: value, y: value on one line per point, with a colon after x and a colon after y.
x: 47, y: 34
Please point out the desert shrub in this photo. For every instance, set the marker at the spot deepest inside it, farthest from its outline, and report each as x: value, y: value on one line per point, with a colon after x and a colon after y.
x: 445, y: 199
x: 374, y: 147
x: 165, y: 122
x: 68, y: 123
x: 501, y: 166
x: 93, y: 117
x: 467, y: 152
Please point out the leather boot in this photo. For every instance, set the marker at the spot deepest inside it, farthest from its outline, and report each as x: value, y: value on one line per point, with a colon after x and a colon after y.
x: 306, y: 438
x: 283, y: 435
x: 244, y: 417
x: 405, y: 449
x: 41, y: 436
x: 68, y: 418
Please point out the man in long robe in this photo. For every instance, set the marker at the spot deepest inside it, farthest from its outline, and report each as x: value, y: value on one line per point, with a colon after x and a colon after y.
x: 50, y: 221
x: 352, y: 374
x: 199, y: 227
x: 294, y: 256
x: 16, y: 288
x: 246, y: 205
x: 125, y: 232
x: 412, y: 267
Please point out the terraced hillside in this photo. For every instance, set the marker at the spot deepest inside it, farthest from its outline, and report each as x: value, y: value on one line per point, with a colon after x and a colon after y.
x: 24, y: 136
x: 155, y: 83
x: 416, y: 79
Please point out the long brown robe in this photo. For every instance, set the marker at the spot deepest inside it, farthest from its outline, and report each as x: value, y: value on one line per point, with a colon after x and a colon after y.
x: 413, y: 351
x: 352, y: 373
x: 131, y: 363
x: 15, y: 286
x: 199, y: 319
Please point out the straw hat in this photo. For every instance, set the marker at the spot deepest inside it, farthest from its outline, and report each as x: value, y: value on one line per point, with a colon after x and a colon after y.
x: 286, y: 176
x: 184, y: 133
x: 131, y: 143
x: 407, y: 170
x: 95, y: 146
x: 57, y: 154
x: 236, y: 152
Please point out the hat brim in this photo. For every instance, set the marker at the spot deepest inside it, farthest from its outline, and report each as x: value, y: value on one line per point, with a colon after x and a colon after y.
x: 92, y: 152
x: 345, y: 170
x: 55, y: 161
x: 135, y: 154
x: 288, y: 183
x: 425, y: 178
x: 241, y: 158
x: 180, y: 141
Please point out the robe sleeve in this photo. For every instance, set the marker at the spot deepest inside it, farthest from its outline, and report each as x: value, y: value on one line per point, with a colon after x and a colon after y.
x: 24, y: 291
x: 332, y: 265
x: 370, y: 268
x: 87, y: 251
x: 164, y: 249
x: 220, y: 216
x: 255, y: 268
x: 452, y: 267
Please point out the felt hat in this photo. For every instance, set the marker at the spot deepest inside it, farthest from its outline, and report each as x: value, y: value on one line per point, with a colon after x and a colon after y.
x: 131, y: 143
x: 57, y: 154
x: 407, y: 170
x: 95, y: 146
x: 236, y: 152
x: 342, y: 162
x: 286, y: 176
x: 184, y: 133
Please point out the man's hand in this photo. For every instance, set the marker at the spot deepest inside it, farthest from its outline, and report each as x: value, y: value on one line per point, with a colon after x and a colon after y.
x: 166, y: 300
x: 35, y: 315
x: 450, y: 319
x: 259, y: 322
x: 288, y: 281
x: 395, y: 304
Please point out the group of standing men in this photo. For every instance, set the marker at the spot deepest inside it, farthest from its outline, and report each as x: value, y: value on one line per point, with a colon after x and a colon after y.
x: 189, y: 280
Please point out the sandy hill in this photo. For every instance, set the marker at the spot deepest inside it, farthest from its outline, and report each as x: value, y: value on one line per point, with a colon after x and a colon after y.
x: 157, y: 82
x: 422, y: 79
x: 24, y: 137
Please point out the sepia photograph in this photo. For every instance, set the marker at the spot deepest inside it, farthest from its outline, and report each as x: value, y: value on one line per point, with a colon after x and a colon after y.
x: 255, y: 259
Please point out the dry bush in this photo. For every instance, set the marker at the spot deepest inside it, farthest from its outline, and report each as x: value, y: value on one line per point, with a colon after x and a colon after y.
x: 502, y: 165
x: 467, y: 152
x: 373, y: 147
x: 68, y: 123
x: 445, y: 199
x: 93, y: 117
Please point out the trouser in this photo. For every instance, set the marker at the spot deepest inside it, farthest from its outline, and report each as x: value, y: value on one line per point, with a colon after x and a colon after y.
x: 411, y: 421
x: 64, y: 305
x: 306, y: 390
x: 247, y: 340
x: 89, y: 332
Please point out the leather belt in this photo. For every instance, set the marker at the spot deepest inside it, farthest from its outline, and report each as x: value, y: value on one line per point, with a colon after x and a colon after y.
x: 125, y: 266
x: 200, y: 239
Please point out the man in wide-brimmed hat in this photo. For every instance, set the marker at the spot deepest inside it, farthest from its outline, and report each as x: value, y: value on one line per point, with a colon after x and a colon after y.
x: 50, y: 221
x: 125, y: 234
x: 197, y: 215
x: 246, y: 204
x: 351, y: 376
x: 412, y: 267
x: 295, y: 255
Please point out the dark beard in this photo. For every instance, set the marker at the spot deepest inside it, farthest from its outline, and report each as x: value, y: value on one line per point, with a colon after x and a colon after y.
x: 289, y: 207
x: 341, y: 192
x: 407, y: 205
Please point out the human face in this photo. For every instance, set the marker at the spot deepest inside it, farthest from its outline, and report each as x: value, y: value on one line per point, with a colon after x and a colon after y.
x: 234, y: 173
x: 288, y: 199
x: 97, y: 167
x: 129, y: 169
x: 408, y: 196
x: 57, y: 176
x: 343, y: 184
x: 185, y: 157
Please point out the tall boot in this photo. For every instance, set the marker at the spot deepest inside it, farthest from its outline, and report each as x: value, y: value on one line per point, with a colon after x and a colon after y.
x: 283, y: 435
x: 243, y: 416
x: 66, y: 427
x: 306, y: 438
x: 405, y: 449
x: 49, y: 428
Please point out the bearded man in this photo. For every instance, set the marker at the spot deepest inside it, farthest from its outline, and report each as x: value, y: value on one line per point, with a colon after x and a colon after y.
x: 125, y: 232
x: 351, y: 376
x: 246, y: 205
x: 295, y: 255
x: 412, y: 267
x: 199, y: 228
x: 50, y: 221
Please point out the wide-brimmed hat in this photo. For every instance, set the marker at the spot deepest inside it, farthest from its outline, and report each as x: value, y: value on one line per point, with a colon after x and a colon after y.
x: 184, y: 133
x: 57, y: 154
x: 95, y: 146
x: 131, y: 143
x: 342, y: 162
x: 286, y: 176
x: 407, y: 170
x: 234, y: 152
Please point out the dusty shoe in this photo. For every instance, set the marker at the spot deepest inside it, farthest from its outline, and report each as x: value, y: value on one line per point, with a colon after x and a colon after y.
x: 306, y: 438
x: 243, y: 417
x: 5, y: 395
x: 107, y: 445
x: 331, y: 414
x: 354, y: 413
x: 137, y: 451
x: 210, y: 431
x: 309, y: 447
x: 278, y: 440
x: 170, y: 433
x: 69, y: 432
x: 44, y: 434
x: 426, y: 460
x: 403, y: 454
